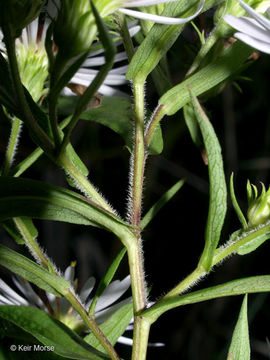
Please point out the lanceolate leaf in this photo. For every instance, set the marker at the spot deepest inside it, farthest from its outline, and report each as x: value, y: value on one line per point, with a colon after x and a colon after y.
x: 107, y: 278
x: 120, y: 120
x: 207, y: 78
x: 242, y: 286
x: 32, y: 272
x: 12, y: 229
x: 218, y: 190
x: 34, y: 199
x: 50, y: 332
x: 161, y: 38
x: 240, y: 347
x: 114, y: 327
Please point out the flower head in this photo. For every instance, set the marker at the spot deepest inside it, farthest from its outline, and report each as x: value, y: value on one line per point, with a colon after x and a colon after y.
x: 259, y: 206
x: 60, y: 308
x: 254, y: 30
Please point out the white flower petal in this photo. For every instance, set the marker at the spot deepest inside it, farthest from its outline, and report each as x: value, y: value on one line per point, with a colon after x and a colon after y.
x: 33, y: 31
x: 5, y: 301
x: 124, y: 340
x: 11, y: 295
x: 248, y: 26
x: 27, y: 290
x: 87, y: 289
x: 162, y: 19
x: 260, y: 18
x: 24, y: 37
x: 112, y: 293
x: 257, y: 44
x: 138, y: 3
x: 100, y: 60
x: 69, y: 274
x: 101, y: 316
x: 110, y: 91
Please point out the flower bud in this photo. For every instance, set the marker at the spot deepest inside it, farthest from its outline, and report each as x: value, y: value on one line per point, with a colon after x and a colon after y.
x: 74, y: 28
x: 234, y: 8
x: 20, y: 13
x: 259, y: 206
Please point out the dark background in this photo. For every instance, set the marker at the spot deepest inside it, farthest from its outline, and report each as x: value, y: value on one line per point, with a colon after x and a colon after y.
x: 173, y: 241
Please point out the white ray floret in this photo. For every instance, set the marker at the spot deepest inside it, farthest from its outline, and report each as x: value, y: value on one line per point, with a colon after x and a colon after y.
x: 157, y: 18
x: 254, y: 30
x: 105, y: 307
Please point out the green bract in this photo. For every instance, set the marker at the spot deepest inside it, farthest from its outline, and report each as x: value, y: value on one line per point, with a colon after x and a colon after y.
x: 74, y: 28
x: 234, y: 8
x: 20, y: 13
x: 259, y: 206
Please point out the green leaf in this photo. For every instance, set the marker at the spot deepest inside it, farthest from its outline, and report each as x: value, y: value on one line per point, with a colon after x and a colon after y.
x: 207, y: 78
x: 50, y: 332
x: 237, y: 287
x: 120, y: 120
x: 236, y: 206
x: 14, y: 232
x: 107, y: 278
x: 114, y: 327
x: 32, y: 272
x: 160, y: 38
x: 218, y: 190
x: 192, y: 124
x: 35, y: 199
x: 240, y: 346
x: 10, y: 330
x: 253, y: 244
x: 149, y: 216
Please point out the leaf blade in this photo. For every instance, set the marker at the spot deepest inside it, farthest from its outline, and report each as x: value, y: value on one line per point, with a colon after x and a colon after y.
x: 50, y: 332
x: 248, y: 285
x: 218, y: 190
x: 240, y: 346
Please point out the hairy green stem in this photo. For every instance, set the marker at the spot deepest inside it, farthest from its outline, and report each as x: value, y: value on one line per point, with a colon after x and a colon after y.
x: 82, y: 182
x: 12, y: 144
x: 221, y: 254
x: 153, y: 123
x: 139, y: 155
x: 140, y: 339
x: 32, y: 244
x: 25, y: 164
x: 188, y: 282
x: 91, y: 324
x: 59, y: 65
x: 135, y: 254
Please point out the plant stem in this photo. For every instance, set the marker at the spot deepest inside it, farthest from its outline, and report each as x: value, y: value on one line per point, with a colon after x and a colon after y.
x: 82, y: 182
x: 189, y: 281
x: 32, y: 244
x: 153, y: 123
x: 139, y: 155
x: 12, y: 144
x: 134, y: 248
x: 140, y: 338
x: 221, y: 253
x: 137, y: 275
x: 59, y: 65
x: 33, y: 157
x: 91, y: 324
